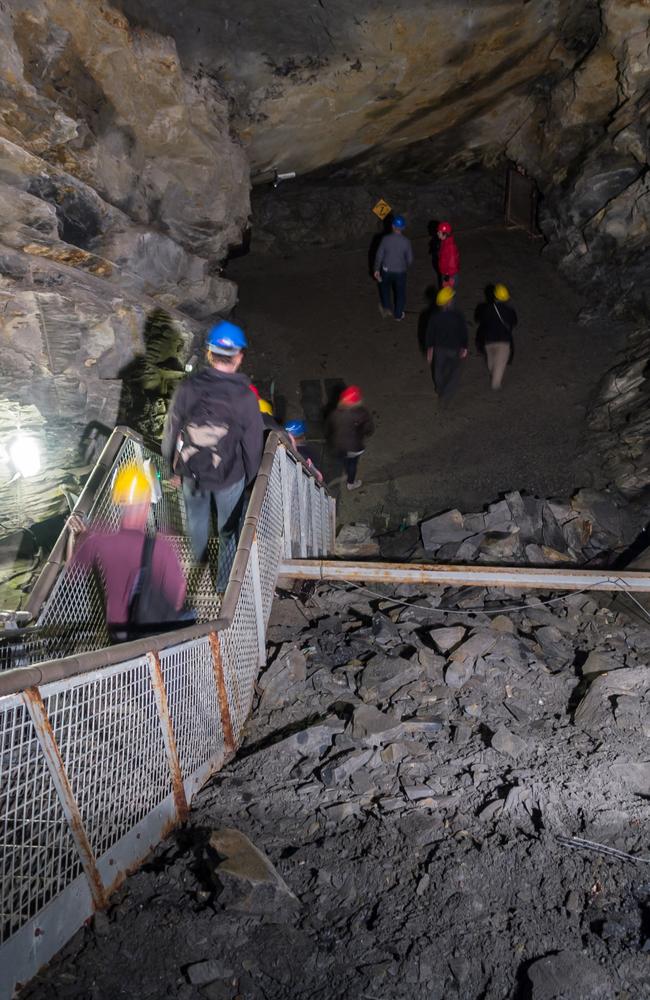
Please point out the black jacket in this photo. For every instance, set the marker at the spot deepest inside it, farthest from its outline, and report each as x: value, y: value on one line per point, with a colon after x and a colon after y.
x: 348, y: 427
x: 446, y: 329
x: 216, y: 420
x: 496, y: 321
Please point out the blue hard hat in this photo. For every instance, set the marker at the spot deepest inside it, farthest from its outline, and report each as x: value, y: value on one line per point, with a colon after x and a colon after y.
x: 399, y: 222
x: 226, y: 338
x: 296, y: 427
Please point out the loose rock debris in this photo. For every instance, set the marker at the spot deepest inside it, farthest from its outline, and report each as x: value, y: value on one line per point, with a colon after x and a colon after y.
x: 590, y: 528
x: 389, y: 828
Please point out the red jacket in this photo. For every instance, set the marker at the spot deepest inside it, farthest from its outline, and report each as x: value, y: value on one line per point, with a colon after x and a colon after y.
x: 448, y: 257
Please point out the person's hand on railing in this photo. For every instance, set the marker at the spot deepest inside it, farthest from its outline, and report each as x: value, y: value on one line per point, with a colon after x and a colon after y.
x: 317, y: 472
x: 76, y: 526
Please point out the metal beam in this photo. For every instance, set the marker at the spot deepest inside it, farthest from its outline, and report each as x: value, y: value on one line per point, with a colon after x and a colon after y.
x: 519, y: 577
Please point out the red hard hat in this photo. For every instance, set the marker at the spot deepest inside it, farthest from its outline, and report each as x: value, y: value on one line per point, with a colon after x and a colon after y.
x: 350, y: 396
x: 445, y: 227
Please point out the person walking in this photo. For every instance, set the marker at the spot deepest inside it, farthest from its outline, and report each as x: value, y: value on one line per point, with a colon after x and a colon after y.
x: 394, y: 257
x: 297, y: 431
x: 497, y: 319
x: 348, y: 426
x: 214, y: 438
x: 448, y: 257
x: 446, y: 343
x: 141, y: 576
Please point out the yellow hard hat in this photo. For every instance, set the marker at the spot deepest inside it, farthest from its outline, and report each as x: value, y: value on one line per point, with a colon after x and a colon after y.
x: 444, y: 296
x: 501, y: 293
x: 131, y: 486
x: 265, y: 407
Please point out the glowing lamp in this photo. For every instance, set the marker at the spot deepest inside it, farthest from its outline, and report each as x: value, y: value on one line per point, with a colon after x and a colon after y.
x: 25, y: 455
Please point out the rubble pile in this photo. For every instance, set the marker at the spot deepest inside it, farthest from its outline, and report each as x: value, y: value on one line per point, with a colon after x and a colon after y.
x: 589, y: 529
x: 390, y: 827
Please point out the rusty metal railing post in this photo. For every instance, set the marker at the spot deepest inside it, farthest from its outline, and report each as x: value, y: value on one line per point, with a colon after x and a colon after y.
x: 169, y: 739
x: 222, y: 693
x: 286, y: 500
x: 35, y: 705
x: 313, y: 502
x: 259, y: 607
x: 303, y: 512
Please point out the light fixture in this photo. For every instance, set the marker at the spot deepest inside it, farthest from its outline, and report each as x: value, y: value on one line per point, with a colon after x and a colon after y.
x: 24, y: 455
x: 288, y: 176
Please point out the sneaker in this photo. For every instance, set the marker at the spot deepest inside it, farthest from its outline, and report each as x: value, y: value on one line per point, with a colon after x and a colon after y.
x: 384, y: 313
x: 399, y: 318
x: 355, y: 485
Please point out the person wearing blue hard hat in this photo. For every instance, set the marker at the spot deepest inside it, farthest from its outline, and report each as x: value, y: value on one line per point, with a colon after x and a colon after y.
x: 394, y: 257
x: 226, y: 339
x: 297, y: 430
x: 214, y: 440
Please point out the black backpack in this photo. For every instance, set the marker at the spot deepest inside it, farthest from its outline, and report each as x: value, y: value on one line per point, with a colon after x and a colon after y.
x: 150, y: 610
x: 205, y: 447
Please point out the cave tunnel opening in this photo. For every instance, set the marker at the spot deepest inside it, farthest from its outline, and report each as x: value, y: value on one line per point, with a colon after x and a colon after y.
x: 308, y: 297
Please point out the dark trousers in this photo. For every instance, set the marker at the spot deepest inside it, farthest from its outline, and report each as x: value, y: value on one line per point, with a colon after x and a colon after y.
x: 350, y: 463
x: 446, y: 371
x: 393, y: 285
x: 198, y: 509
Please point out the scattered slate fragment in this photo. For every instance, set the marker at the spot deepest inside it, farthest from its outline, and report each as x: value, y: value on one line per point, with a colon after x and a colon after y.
x: 508, y: 743
x: 569, y: 974
x: 250, y: 882
x: 445, y: 639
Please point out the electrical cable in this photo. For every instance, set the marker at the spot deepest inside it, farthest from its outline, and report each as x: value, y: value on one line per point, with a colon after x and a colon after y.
x: 474, y: 611
x: 591, y: 845
x: 628, y: 593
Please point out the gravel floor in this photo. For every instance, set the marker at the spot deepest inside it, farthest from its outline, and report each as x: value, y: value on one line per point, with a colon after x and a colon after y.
x: 407, y: 772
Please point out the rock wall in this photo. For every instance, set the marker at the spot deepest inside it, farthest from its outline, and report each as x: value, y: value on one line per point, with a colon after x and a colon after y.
x: 587, y: 145
x: 121, y: 190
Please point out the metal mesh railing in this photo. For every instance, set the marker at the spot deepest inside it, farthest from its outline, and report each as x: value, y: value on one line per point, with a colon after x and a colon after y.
x: 101, y: 753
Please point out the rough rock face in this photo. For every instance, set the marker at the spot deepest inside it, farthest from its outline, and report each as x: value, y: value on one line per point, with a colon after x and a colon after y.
x: 316, y: 85
x: 587, y: 145
x: 120, y: 190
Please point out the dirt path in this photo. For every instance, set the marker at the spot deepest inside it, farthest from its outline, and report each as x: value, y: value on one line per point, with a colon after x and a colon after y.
x: 314, y: 316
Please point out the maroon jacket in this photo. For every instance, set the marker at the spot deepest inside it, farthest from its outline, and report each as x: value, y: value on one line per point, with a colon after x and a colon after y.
x: 118, y: 556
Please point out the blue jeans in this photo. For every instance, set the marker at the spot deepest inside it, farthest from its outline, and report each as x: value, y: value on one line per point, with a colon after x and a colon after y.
x: 198, y: 507
x: 393, y: 283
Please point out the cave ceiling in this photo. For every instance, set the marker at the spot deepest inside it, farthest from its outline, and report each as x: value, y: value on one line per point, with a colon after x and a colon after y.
x: 365, y: 85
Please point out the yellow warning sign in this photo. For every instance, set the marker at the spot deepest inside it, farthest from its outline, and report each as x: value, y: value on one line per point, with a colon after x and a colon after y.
x: 382, y: 209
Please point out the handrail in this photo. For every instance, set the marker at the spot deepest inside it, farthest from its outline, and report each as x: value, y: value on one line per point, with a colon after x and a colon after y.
x: 56, y: 559
x: 20, y: 678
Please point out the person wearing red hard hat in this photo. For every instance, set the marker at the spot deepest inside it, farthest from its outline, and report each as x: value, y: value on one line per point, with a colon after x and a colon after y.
x: 448, y: 257
x: 347, y: 429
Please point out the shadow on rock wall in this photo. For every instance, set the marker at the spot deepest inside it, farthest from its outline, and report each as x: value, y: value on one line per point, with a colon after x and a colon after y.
x: 148, y: 382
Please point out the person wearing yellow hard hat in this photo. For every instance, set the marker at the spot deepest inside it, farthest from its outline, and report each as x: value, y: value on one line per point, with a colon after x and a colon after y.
x: 496, y: 322
x: 446, y: 343
x: 143, y: 582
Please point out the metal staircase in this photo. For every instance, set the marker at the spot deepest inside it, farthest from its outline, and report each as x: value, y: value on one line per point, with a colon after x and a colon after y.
x: 102, y: 748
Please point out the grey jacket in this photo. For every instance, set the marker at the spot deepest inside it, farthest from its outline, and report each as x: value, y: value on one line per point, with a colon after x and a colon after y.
x: 395, y: 253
